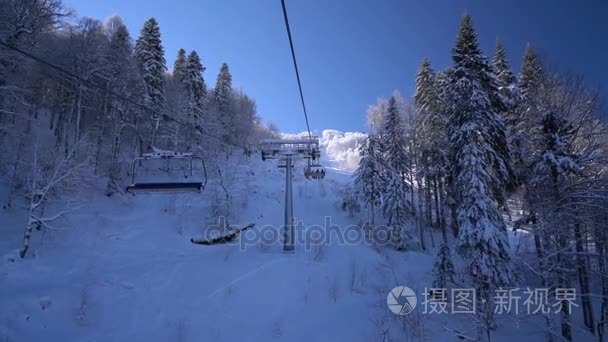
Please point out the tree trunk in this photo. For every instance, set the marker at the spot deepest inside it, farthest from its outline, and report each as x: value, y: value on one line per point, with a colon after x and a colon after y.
x: 444, y: 232
x: 601, y: 249
x: 101, y: 134
x: 566, y: 321
x: 372, y: 218
x: 66, y: 130
x: 373, y: 208
x: 583, y: 278
x: 113, y: 176
x: 27, y: 238
x: 78, y: 123
x: 543, y: 269
x: 428, y: 202
x: 35, y: 201
x: 419, y: 220
x: 453, y: 209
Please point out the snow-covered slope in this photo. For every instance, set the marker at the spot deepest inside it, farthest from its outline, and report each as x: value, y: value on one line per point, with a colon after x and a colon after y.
x: 123, y: 269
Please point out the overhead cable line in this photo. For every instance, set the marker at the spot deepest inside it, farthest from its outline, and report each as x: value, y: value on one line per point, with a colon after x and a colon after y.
x: 295, y: 64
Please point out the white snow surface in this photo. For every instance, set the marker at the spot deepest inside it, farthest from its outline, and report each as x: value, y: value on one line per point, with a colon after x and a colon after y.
x: 123, y: 269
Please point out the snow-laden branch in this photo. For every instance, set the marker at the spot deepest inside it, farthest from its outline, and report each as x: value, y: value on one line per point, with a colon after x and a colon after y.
x: 40, y: 186
x: 46, y: 219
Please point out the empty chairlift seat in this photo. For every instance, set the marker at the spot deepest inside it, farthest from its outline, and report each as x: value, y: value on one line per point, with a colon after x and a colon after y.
x: 167, y: 172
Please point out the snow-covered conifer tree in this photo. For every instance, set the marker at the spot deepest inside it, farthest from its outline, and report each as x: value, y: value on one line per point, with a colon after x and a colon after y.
x: 368, y: 176
x: 473, y: 124
x: 222, y: 97
x: 529, y: 110
x: 223, y: 88
x: 124, y: 78
x: 507, y: 87
x: 552, y: 168
x: 507, y: 82
x: 555, y: 162
x: 393, y: 142
x: 443, y: 269
x: 431, y: 122
x: 531, y: 77
x: 397, y: 210
x: 179, y: 66
x: 196, y: 88
x: 431, y: 138
x: 150, y: 57
x: 192, y: 92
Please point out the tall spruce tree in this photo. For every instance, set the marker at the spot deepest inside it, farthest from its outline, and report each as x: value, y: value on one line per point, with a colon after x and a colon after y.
x: 368, y: 180
x: 527, y: 113
x: 197, y: 90
x: 431, y: 128
x: 396, y: 206
x: 176, y: 105
x: 431, y: 154
x: 431, y: 122
x: 397, y: 210
x: 443, y: 86
x: 555, y: 164
x: 222, y: 97
x: 502, y: 69
x: 443, y: 269
x: 531, y: 77
x: 556, y: 161
x: 507, y: 86
x: 123, y: 78
x: 473, y: 124
x: 393, y: 141
x: 179, y: 66
x: 150, y: 56
x: 507, y: 82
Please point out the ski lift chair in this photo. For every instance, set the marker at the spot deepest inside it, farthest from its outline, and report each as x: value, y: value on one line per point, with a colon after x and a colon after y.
x: 182, y: 172
x: 314, y: 170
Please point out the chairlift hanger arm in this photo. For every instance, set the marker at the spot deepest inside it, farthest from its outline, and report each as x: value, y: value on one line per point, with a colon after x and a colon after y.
x: 204, y: 169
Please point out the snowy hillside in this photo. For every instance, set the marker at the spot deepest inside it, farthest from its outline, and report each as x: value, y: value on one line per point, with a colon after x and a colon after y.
x: 123, y: 268
x: 473, y: 208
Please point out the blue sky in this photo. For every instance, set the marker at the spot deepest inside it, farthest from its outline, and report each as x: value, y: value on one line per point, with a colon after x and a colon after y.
x: 350, y: 52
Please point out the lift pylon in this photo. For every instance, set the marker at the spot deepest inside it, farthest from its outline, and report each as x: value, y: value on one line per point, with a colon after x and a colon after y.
x: 287, y: 151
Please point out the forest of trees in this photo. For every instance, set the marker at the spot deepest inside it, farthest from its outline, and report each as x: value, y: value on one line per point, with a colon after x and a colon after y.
x: 479, y: 149
x: 479, y: 154
x: 86, y: 98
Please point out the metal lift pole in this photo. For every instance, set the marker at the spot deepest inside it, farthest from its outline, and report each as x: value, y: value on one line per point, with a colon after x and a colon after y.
x: 289, y: 150
x: 288, y: 232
